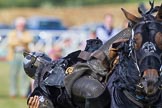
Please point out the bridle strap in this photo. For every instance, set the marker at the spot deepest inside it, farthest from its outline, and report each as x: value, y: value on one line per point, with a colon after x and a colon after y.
x: 149, y: 54
x: 144, y: 22
x: 133, y: 99
x: 132, y: 52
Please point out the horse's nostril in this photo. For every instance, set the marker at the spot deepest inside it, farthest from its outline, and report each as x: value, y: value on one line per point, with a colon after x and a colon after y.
x: 144, y: 79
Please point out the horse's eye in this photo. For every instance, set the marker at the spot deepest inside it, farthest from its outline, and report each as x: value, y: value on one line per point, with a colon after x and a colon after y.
x: 158, y: 39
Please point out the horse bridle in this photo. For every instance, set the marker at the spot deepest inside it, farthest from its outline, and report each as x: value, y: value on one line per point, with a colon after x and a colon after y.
x: 132, y: 50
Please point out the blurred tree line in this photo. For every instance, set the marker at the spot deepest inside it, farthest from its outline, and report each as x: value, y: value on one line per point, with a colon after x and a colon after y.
x: 66, y: 3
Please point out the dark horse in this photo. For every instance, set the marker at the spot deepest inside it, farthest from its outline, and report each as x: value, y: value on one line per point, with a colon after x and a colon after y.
x: 136, y: 79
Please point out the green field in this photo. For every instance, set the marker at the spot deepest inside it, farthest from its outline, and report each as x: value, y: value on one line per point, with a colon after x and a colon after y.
x: 5, y: 100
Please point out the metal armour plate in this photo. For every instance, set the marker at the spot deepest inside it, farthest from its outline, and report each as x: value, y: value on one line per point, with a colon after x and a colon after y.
x: 56, y: 78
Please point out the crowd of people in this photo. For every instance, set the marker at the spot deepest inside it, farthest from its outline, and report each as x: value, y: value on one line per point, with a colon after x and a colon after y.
x: 20, y: 39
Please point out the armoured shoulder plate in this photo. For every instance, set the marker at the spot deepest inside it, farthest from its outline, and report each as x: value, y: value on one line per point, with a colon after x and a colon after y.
x: 57, y: 74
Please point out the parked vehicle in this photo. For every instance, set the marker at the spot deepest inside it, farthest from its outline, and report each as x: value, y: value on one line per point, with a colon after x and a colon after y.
x: 44, y: 23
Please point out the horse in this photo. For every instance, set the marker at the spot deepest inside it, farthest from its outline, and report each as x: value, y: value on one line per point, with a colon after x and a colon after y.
x: 136, y: 79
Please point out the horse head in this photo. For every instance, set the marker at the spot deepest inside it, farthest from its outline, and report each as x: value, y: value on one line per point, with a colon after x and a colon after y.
x: 146, y: 47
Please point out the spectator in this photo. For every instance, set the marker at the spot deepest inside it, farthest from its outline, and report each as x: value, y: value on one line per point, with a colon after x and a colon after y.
x: 18, y: 41
x: 92, y: 35
x: 107, y: 30
x: 69, y: 45
x: 56, y: 52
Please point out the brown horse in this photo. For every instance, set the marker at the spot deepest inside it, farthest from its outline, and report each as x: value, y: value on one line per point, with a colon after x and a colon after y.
x: 136, y: 80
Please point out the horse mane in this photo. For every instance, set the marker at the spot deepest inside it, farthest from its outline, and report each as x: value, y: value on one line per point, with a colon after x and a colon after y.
x: 126, y: 73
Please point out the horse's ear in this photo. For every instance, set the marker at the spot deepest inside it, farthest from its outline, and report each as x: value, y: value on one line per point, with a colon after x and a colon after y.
x: 159, y: 14
x: 130, y: 16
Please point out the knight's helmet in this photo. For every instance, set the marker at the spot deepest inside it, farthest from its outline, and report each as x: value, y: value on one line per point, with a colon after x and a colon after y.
x: 33, y: 60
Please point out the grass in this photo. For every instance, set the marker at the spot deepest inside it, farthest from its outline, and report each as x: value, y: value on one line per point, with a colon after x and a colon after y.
x: 5, y: 100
